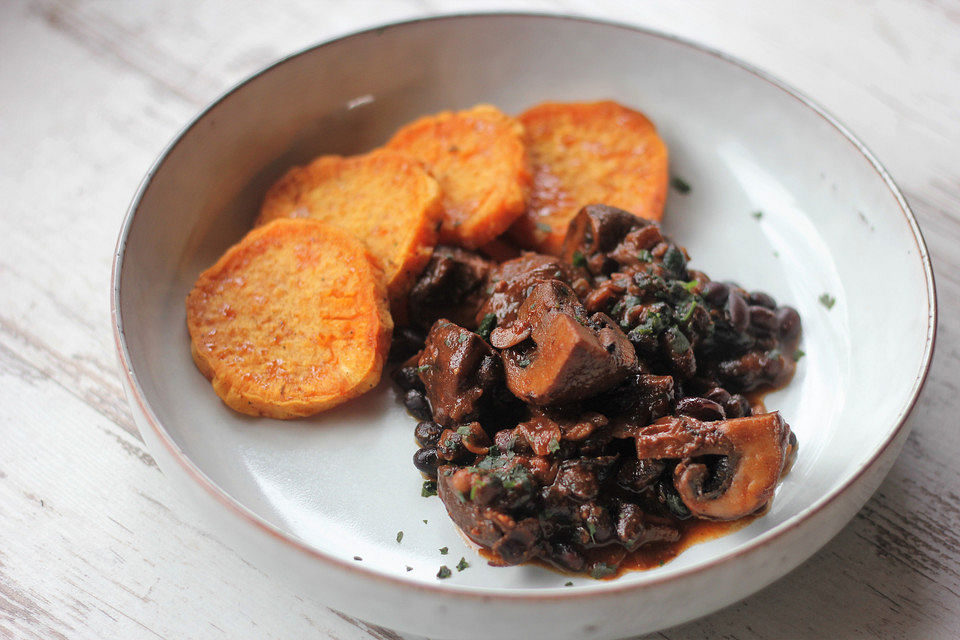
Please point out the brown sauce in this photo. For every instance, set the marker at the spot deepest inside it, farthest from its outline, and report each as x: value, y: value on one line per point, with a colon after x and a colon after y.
x: 647, y: 557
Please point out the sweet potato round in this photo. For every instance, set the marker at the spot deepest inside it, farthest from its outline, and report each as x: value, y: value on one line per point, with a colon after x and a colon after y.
x: 383, y: 198
x: 586, y: 153
x: 290, y: 321
x: 479, y: 159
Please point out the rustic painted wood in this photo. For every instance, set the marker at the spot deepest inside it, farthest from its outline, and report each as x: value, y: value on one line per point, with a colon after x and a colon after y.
x: 94, y: 543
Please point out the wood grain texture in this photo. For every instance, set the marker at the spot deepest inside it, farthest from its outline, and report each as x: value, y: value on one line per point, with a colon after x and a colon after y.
x: 93, y: 542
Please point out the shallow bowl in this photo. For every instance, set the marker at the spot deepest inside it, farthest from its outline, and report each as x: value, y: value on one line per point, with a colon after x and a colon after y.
x: 783, y: 199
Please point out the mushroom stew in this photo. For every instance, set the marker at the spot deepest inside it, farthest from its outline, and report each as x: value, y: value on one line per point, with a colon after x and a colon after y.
x: 578, y: 409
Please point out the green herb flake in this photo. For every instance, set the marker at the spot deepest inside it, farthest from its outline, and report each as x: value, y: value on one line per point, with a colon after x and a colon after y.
x: 602, y: 570
x: 464, y: 431
x: 524, y: 363
x: 399, y: 536
x: 568, y: 584
x: 463, y: 337
x: 690, y: 286
x: 544, y: 227
x: 758, y: 215
x: 674, y: 261
x: 554, y: 445
x: 645, y: 256
x: 358, y: 558
x: 444, y: 550
x: 444, y: 572
x: 429, y: 488
x: 678, y: 342
x: 681, y: 185
x: 827, y: 300
x: 487, y: 325
x: 463, y: 564
x: 592, y: 529
x: 579, y: 260
x: 409, y: 568
x: 424, y: 368
x: 799, y: 353
x: 424, y: 522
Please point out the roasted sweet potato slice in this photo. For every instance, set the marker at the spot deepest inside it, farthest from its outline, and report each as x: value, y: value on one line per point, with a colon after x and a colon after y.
x: 291, y: 320
x: 385, y: 199
x: 479, y: 159
x: 585, y: 153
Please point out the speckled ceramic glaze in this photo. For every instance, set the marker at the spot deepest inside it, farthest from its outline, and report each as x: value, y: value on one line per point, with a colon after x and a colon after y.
x: 301, y: 499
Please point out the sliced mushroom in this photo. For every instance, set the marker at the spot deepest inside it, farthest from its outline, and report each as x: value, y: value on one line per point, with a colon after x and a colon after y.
x: 511, y: 282
x: 453, y: 286
x: 755, y: 451
x: 598, y: 228
x: 457, y: 369
x: 553, y: 353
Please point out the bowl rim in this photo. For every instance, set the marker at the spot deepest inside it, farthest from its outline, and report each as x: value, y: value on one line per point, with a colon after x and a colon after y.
x: 601, y: 588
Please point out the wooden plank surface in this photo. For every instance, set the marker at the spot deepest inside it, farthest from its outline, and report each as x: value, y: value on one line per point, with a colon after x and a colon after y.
x: 94, y: 543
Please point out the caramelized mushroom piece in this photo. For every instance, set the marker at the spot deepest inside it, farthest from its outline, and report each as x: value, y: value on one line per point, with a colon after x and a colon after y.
x: 755, y: 452
x: 480, y: 500
x: 512, y: 281
x: 451, y: 286
x: 598, y: 229
x: 457, y: 369
x: 553, y: 354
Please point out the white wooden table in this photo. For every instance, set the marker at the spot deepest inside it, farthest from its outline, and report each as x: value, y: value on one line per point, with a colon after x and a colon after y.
x: 95, y: 544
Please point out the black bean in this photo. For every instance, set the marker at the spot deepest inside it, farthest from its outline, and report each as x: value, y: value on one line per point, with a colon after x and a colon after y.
x: 417, y: 404
x: 737, y: 407
x: 762, y: 299
x: 718, y: 394
x: 763, y: 318
x: 406, y: 342
x: 426, y: 461
x: 788, y: 323
x: 772, y: 365
x: 738, y: 311
x: 636, y: 475
x: 407, y: 378
x: 427, y: 433
x: 716, y: 293
x: 701, y: 409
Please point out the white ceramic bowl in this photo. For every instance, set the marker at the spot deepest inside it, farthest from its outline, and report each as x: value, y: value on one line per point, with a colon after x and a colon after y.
x: 301, y: 499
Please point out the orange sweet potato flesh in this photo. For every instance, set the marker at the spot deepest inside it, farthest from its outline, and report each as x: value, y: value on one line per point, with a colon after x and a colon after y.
x: 383, y: 198
x: 290, y: 321
x: 479, y: 159
x: 586, y: 153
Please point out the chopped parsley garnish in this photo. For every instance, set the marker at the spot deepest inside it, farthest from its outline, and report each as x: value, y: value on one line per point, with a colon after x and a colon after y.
x: 487, y: 325
x: 827, y: 300
x: 602, y: 570
x: 799, y: 353
x: 645, y: 256
x: 524, y: 363
x: 444, y: 572
x: 678, y: 342
x: 358, y: 558
x: 399, y: 536
x: 464, y: 430
x: 463, y: 337
x: 463, y: 564
x: 579, y: 260
x: 757, y: 214
x: 424, y: 522
x: 680, y: 184
x: 568, y: 584
x: 690, y: 286
x: 444, y: 551
x: 592, y: 529
x: 554, y: 445
x: 424, y: 368
x: 544, y: 227
x: 429, y: 488
x: 409, y: 568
